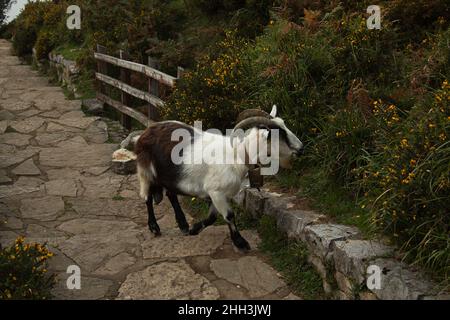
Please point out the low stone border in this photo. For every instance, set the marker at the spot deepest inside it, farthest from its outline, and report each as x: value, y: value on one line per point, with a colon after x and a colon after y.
x: 66, y: 70
x: 339, y: 254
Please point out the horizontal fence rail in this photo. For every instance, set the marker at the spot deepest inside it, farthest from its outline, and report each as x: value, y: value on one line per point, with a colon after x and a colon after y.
x: 155, y: 79
x: 146, y: 70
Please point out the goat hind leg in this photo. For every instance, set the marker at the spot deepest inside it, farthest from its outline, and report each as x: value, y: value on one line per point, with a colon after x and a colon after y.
x: 152, y: 224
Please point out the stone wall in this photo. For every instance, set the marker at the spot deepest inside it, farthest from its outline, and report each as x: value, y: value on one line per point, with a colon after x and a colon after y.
x: 339, y: 253
x: 66, y: 71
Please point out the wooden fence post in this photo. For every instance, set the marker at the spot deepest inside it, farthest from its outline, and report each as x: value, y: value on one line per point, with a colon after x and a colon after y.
x: 126, y: 99
x: 153, y: 88
x: 180, y: 72
x: 102, y: 68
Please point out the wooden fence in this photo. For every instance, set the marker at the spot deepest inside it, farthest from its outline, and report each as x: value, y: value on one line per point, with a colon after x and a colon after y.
x: 156, y: 81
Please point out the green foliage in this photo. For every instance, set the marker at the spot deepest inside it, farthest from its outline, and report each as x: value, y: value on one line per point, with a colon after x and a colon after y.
x: 23, y: 272
x: 210, y: 92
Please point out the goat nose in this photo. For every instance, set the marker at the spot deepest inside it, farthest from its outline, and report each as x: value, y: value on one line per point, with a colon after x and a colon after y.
x: 299, y: 152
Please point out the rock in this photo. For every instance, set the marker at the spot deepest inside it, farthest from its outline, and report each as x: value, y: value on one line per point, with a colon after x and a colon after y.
x: 229, y: 291
x: 293, y: 222
x: 38, y: 231
x: 254, y: 202
x: 4, y: 179
x: 171, y: 246
x: 54, y: 114
x: 76, y: 122
x: 96, y: 226
x: 29, y: 113
x: 123, y: 162
x: 84, y: 156
x: 167, y: 280
x: 92, y: 106
x: 292, y: 296
x: 91, y: 250
x: 131, y: 140
x: 28, y: 125
x: 27, y: 168
x: 14, y: 157
x: 351, y: 257
x: 91, y: 288
x: 15, y: 139
x: 108, y: 207
x: 42, y: 209
x: 116, y: 264
x: 25, y: 185
x: 62, y: 187
x: 320, y: 237
x: 399, y: 283
x: 13, y: 223
x: 51, y: 139
x: 106, y: 185
x: 6, y: 115
x: 3, y: 125
x: 256, y: 276
x: 344, y: 284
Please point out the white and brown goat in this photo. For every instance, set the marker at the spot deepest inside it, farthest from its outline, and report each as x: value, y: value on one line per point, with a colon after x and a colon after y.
x: 217, y: 182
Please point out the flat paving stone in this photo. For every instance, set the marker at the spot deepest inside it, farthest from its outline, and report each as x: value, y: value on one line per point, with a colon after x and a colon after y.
x: 28, y: 168
x: 170, y: 246
x: 62, y: 187
x: 167, y: 280
x: 28, y: 125
x: 16, y: 139
x: 250, y: 272
x: 116, y: 264
x: 42, y: 209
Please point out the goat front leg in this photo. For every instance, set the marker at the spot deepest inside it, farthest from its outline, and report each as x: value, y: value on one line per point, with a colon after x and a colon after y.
x: 199, y: 226
x: 221, y: 203
x: 179, y: 214
x: 152, y: 224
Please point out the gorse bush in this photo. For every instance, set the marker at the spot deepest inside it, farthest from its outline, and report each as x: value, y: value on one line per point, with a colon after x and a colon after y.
x: 407, y: 183
x: 23, y: 271
x: 211, y: 92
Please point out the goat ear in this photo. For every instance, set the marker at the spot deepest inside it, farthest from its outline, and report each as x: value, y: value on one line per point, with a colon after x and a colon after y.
x: 273, y: 113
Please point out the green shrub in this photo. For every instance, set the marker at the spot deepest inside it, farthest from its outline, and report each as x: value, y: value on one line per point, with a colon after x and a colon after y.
x: 23, y: 271
x: 211, y: 92
x: 407, y: 182
x: 24, y: 40
x: 44, y: 44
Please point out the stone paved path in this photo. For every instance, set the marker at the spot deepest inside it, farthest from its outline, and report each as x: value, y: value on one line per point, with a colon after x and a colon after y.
x: 56, y: 187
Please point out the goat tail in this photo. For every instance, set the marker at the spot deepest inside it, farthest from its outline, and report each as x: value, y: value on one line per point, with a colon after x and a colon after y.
x: 146, y: 175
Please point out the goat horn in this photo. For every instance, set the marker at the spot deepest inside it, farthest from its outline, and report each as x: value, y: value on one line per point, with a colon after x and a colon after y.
x: 252, y: 113
x: 253, y: 121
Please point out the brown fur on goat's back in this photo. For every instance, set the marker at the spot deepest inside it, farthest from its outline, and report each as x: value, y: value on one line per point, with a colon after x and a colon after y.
x: 155, y: 147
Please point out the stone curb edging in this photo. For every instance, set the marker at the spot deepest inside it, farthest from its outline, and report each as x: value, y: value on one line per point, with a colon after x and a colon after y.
x: 339, y: 254
x: 67, y: 71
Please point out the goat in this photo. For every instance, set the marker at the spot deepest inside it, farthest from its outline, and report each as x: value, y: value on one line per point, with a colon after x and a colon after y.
x: 216, y: 182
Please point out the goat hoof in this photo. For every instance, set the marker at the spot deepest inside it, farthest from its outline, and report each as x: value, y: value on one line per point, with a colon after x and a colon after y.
x: 155, y: 230
x: 185, y: 231
x: 193, y: 232
x: 242, y: 244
